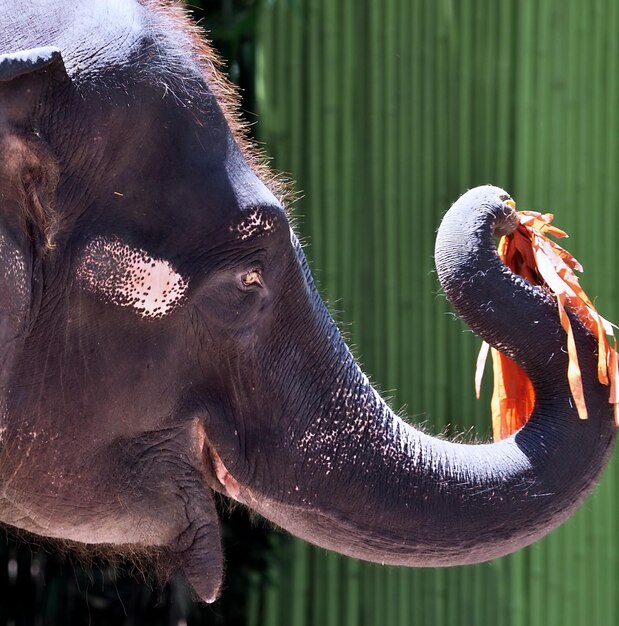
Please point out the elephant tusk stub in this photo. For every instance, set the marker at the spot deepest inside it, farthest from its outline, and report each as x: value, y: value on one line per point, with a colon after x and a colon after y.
x: 228, y: 482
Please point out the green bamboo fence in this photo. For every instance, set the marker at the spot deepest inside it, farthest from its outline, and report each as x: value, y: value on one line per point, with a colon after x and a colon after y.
x: 384, y: 112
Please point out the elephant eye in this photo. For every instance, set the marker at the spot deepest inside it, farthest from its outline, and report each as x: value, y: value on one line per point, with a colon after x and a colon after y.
x: 252, y: 278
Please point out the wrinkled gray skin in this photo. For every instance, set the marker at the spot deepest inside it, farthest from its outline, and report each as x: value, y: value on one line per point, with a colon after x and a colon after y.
x: 162, y: 336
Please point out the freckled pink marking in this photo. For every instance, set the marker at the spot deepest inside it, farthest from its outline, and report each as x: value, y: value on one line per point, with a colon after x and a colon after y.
x: 130, y: 277
x: 154, y: 281
x: 256, y: 223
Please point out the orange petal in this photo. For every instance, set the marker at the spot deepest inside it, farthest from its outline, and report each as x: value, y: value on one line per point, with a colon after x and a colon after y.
x: 513, y: 397
x: 480, y: 366
x: 574, y: 376
x: 528, y: 252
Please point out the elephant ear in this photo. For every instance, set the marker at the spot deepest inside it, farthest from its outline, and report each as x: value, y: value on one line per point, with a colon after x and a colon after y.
x: 28, y: 169
x: 28, y: 180
x: 28, y: 62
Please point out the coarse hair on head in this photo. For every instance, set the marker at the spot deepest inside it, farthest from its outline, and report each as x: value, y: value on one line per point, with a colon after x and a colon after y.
x: 183, y: 49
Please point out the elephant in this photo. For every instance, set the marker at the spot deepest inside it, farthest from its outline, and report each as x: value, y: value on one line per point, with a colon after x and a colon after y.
x: 163, y: 339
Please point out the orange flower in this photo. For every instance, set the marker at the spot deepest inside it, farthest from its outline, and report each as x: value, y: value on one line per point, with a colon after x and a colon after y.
x: 529, y: 252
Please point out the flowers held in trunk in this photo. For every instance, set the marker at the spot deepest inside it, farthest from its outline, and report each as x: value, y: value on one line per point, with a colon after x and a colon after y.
x: 528, y: 251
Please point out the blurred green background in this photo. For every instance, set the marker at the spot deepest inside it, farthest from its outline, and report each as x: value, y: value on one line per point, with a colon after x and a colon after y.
x: 384, y: 113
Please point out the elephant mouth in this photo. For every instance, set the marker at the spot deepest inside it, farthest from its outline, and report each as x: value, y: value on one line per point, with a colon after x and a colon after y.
x: 226, y: 482
x: 217, y: 476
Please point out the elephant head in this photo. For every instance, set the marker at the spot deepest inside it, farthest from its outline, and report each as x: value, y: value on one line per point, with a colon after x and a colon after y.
x: 162, y: 336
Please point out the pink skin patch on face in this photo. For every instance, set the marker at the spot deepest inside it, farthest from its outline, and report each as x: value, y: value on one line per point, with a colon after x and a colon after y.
x: 129, y: 277
x: 255, y: 224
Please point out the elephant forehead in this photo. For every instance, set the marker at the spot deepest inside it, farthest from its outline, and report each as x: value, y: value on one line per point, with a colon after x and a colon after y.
x: 255, y: 224
x: 127, y: 276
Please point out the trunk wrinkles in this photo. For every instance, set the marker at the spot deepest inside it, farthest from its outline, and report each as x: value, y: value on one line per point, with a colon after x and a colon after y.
x: 373, y: 487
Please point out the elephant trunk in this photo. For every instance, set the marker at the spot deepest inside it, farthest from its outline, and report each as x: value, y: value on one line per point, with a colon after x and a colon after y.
x: 366, y: 484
